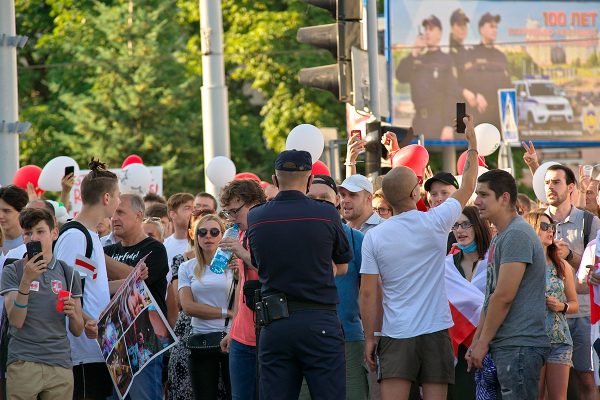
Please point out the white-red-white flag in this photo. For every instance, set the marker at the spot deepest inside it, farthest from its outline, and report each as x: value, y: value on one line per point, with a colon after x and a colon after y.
x: 466, y: 300
x: 86, y: 266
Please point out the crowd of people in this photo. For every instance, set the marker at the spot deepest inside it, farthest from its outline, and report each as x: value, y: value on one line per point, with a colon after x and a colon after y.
x: 412, y: 286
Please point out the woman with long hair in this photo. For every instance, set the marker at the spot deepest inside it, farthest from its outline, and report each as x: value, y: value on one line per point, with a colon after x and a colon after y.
x: 466, y: 271
x: 561, y: 299
x: 205, y: 296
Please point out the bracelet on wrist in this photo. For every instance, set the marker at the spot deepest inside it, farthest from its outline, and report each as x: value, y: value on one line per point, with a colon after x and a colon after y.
x: 475, y: 150
x: 350, y: 163
x: 19, y: 305
x: 566, y: 308
x: 224, y: 313
x: 24, y: 294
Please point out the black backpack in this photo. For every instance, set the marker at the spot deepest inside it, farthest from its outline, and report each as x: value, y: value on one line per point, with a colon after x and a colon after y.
x: 588, y: 219
x: 89, y: 245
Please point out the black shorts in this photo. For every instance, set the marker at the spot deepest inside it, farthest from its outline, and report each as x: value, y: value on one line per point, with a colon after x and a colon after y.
x: 428, y: 358
x: 92, y: 382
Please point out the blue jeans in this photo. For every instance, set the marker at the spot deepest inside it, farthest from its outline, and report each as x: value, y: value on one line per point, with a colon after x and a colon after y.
x: 147, y: 385
x: 242, y: 370
x: 518, y: 370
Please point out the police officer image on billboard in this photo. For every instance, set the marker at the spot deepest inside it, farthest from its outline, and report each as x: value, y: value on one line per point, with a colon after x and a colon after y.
x: 433, y: 82
x: 485, y: 71
x: 298, y: 244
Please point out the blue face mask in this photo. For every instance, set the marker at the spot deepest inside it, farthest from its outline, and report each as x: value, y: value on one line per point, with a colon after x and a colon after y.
x: 471, y: 248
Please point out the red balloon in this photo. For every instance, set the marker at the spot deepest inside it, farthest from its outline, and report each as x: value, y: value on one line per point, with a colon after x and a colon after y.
x: 413, y: 156
x: 26, y: 174
x: 460, y: 164
x: 132, y: 159
x: 246, y: 175
x: 319, y: 168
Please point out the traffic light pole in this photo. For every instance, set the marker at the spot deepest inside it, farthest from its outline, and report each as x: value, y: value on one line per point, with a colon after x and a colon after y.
x: 9, y: 96
x: 215, y: 109
x: 372, y: 50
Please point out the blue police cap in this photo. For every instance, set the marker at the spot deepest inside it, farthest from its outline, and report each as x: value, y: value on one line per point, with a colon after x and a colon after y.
x: 294, y: 160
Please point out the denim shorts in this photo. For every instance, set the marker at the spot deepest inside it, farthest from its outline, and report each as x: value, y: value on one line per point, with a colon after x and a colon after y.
x: 560, y: 353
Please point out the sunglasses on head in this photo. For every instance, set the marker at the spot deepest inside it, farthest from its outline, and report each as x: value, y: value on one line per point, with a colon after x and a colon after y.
x: 544, y: 226
x: 214, y: 232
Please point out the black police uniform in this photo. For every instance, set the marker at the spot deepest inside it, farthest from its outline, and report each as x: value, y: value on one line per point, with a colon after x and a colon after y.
x: 433, y: 90
x: 293, y: 241
x: 486, y: 71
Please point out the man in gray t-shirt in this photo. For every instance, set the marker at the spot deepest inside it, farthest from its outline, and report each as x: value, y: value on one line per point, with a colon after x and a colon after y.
x: 39, y: 354
x: 512, y: 323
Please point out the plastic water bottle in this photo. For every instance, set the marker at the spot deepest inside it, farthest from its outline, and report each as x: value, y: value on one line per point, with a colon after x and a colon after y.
x: 219, y: 263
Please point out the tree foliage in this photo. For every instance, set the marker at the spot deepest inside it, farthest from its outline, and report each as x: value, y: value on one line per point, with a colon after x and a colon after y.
x: 111, y: 78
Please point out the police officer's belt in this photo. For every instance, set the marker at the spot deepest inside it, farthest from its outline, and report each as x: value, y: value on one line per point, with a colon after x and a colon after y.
x: 277, y: 306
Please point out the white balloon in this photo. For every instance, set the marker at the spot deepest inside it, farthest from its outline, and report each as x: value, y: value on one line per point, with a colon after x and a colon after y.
x: 481, y: 170
x: 54, y: 171
x: 539, y: 177
x: 220, y: 170
x: 136, y: 179
x: 488, y: 139
x: 308, y: 138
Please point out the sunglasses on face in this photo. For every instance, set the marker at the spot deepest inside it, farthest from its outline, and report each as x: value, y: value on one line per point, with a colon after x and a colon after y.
x: 214, y: 232
x: 544, y: 226
x: 462, y: 225
x: 198, y: 213
x: 151, y: 219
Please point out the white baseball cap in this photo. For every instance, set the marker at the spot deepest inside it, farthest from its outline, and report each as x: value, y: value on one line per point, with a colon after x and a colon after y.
x: 356, y: 183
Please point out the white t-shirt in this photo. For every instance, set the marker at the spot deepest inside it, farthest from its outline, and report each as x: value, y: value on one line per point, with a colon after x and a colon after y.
x: 174, y: 248
x: 212, y: 289
x: 412, y: 271
x: 96, y: 295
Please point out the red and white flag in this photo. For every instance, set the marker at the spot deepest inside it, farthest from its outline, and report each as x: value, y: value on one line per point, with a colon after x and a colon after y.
x: 466, y: 300
x: 591, y: 256
x: 86, y: 266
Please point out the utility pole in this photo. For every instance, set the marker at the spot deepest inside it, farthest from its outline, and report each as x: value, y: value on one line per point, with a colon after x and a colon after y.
x: 215, y: 109
x: 9, y: 95
x: 373, y: 134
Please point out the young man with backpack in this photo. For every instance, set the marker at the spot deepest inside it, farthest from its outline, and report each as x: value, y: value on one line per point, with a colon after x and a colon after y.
x: 39, y: 355
x: 79, y: 244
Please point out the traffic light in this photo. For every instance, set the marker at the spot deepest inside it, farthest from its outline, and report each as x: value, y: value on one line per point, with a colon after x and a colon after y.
x: 338, y: 38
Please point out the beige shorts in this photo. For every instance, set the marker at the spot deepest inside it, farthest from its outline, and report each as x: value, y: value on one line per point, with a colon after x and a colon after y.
x: 26, y: 379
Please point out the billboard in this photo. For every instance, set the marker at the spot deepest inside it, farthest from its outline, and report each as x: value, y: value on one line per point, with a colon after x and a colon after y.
x: 548, y: 52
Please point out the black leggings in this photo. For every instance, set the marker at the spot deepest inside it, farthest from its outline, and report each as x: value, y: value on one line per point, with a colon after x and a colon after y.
x: 204, y: 369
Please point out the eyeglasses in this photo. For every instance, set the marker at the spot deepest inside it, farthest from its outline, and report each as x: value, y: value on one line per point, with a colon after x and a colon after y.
x: 232, y: 213
x: 214, y: 232
x: 151, y: 219
x: 544, y: 226
x: 382, y: 210
x: 205, y: 211
x: 462, y: 225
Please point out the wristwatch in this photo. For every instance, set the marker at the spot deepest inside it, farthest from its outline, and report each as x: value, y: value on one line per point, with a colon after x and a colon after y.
x: 564, y: 310
x: 570, y: 255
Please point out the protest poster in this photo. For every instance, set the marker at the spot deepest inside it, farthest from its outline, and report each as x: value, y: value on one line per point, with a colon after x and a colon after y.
x: 156, y: 186
x: 132, y: 331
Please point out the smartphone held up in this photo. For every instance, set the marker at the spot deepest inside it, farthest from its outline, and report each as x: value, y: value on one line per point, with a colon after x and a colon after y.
x: 461, y: 113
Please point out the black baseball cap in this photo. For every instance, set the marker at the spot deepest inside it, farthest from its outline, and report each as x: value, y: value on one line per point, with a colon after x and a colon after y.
x: 293, y: 161
x: 458, y: 17
x: 325, y: 180
x: 433, y: 21
x: 487, y: 17
x: 444, y: 177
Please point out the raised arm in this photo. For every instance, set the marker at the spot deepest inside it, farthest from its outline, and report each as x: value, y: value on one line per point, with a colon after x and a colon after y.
x: 467, y: 186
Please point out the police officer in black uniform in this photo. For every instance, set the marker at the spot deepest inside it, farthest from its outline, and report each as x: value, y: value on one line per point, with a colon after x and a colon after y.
x: 433, y: 82
x: 487, y: 71
x: 298, y: 244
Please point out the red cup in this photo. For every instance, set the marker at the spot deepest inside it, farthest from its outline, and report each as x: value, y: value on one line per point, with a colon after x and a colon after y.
x: 62, y: 295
